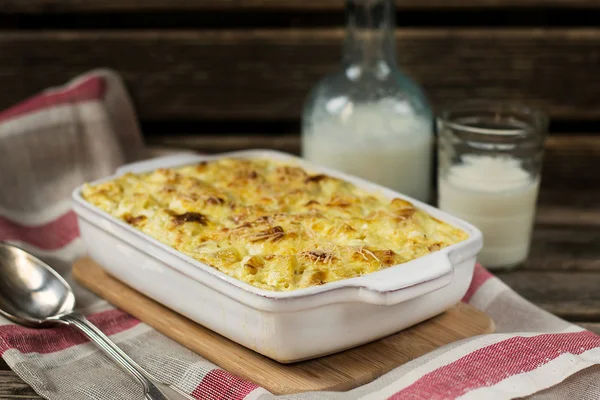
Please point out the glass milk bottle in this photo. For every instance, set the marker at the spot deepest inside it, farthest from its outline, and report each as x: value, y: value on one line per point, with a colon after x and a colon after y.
x: 490, y: 158
x: 369, y: 119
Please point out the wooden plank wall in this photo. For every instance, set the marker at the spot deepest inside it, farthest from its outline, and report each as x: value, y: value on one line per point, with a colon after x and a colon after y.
x: 254, y: 60
x: 227, y: 74
x: 264, y: 74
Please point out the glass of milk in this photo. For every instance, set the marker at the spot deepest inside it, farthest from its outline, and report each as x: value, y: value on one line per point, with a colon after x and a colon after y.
x: 489, y: 170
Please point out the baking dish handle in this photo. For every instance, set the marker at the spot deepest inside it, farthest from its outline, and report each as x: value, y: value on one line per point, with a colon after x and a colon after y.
x: 395, y: 285
x: 168, y: 161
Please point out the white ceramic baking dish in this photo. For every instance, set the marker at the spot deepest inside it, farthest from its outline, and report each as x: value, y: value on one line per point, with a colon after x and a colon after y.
x: 285, y: 326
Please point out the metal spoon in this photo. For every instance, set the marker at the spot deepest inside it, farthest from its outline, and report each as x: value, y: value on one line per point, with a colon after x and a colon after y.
x: 34, y: 295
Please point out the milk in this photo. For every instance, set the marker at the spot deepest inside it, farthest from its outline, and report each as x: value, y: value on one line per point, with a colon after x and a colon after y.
x: 377, y: 143
x: 496, y: 195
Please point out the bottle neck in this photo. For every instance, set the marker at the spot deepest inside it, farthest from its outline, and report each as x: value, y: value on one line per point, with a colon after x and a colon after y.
x: 369, y: 42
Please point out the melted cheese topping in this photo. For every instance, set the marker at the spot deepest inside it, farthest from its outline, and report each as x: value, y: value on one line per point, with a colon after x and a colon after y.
x: 272, y: 224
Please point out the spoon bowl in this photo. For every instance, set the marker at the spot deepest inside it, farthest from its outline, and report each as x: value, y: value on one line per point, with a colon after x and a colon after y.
x: 31, y: 293
x: 34, y: 295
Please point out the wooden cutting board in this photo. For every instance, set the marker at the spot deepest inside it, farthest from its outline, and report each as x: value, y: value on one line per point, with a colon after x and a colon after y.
x: 337, y: 372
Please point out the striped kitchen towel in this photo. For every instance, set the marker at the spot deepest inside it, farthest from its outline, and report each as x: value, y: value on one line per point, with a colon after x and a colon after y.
x: 84, y: 130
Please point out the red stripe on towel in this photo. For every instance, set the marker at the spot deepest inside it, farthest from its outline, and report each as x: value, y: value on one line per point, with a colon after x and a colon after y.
x: 221, y: 385
x: 50, y: 236
x: 44, y: 341
x: 90, y: 89
x: 490, y: 365
x: 480, y: 276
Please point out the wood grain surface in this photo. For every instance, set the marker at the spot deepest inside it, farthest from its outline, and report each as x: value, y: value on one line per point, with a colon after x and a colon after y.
x: 265, y: 74
x: 12, y: 387
x: 338, y: 372
x: 39, y: 6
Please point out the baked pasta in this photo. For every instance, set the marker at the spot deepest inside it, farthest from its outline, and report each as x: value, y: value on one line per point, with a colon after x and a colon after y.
x: 272, y: 224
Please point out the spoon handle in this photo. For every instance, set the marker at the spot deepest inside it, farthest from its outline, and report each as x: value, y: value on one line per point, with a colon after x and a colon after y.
x: 153, y: 389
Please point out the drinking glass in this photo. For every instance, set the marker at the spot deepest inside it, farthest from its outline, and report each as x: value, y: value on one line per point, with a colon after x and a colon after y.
x: 489, y: 171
